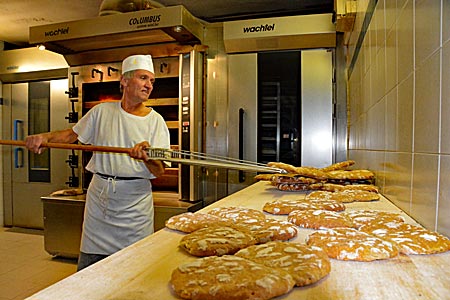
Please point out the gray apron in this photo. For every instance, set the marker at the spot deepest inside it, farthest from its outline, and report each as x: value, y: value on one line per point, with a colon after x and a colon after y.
x: 117, y: 214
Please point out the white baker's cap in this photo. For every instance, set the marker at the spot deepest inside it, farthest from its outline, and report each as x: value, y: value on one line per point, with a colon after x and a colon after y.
x: 135, y: 62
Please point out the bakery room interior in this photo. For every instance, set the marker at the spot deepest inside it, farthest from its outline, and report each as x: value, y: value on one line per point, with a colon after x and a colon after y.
x: 250, y: 91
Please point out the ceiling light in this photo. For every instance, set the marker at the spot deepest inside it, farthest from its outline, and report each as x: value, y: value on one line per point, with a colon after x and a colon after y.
x: 178, y: 29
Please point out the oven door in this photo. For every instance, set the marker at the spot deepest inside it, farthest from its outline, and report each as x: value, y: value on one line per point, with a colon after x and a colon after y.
x: 30, y: 108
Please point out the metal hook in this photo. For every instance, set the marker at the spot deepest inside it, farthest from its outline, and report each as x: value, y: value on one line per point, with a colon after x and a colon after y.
x: 111, y: 69
x: 162, y: 66
x: 97, y: 71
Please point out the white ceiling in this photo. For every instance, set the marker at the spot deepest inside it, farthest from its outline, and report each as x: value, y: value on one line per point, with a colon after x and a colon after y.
x: 16, y: 16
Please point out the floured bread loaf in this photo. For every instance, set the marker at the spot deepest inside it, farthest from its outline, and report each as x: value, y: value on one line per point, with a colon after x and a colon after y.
x: 343, y: 165
x: 218, y: 241
x: 317, y: 219
x: 303, y: 171
x: 265, y: 177
x: 306, y: 264
x: 238, y: 214
x: 293, y: 179
x: 360, y: 195
x: 322, y: 195
x: 411, y: 239
x: 362, y: 217
x: 189, y: 222
x: 271, y: 230
x: 345, y: 196
x: 351, y: 244
x: 292, y: 187
x: 287, y: 167
x: 229, y: 278
x: 285, y: 206
x: 351, y: 175
x: 333, y: 187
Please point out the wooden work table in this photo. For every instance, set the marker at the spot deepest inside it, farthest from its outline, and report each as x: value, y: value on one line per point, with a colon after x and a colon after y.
x: 143, y: 270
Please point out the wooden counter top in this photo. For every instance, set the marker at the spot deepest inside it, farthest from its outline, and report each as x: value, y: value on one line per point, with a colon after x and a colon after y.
x: 143, y: 270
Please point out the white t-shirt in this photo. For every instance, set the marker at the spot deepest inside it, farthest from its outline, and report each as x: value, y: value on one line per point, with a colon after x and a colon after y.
x: 118, y: 213
x: 107, y: 124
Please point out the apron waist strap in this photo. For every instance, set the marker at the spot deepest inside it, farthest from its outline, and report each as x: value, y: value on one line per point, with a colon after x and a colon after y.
x: 105, y: 176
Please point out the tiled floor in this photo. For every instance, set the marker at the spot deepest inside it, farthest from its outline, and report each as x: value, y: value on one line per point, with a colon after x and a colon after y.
x: 25, y: 266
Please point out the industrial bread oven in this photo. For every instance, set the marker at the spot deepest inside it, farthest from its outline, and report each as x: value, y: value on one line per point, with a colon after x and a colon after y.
x: 175, y: 96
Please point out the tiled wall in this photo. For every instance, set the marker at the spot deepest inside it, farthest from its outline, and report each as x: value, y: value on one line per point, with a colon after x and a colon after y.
x: 1, y: 164
x: 399, y: 103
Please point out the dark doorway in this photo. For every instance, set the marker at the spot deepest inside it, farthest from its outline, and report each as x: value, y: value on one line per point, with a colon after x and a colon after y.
x: 279, y: 115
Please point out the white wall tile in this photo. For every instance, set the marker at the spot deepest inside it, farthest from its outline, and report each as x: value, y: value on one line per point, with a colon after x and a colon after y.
x: 366, y: 50
x: 424, y: 190
x: 405, y: 41
x: 402, y: 3
x: 390, y: 14
x: 445, y: 106
x: 445, y: 21
x: 405, y: 115
x: 391, y: 120
x: 355, y: 89
x: 375, y: 162
x: 427, y: 106
x: 373, y: 96
x: 377, y: 127
x: 398, y: 176
x: 380, y: 13
x: 364, y: 137
x: 391, y: 60
x: 427, y: 22
x: 379, y: 82
x: 366, y: 86
x: 443, y: 220
x: 373, y: 45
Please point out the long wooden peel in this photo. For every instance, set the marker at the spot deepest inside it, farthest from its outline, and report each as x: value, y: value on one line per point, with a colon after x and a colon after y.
x: 182, y: 157
x: 70, y: 146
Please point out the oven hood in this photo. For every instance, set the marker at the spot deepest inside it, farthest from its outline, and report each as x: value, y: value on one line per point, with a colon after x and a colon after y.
x: 113, y: 37
x: 27, y: 64
x: 285, y: 33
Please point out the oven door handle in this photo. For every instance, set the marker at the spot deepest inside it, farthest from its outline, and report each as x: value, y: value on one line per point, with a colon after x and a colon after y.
x: 17, y: 135
x: 18, y: 122
x: 18, y: 158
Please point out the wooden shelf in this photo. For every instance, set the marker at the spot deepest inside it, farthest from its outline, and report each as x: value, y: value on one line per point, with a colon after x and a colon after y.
x: 149, y: 102
x: 161, y: 101
x: 91, y: 104
x: 173, y: 124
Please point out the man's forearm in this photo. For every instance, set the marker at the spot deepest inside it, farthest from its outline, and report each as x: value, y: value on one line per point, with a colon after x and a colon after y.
x: 61, y: 136
x: 156, y: 167
x: 34, y: 142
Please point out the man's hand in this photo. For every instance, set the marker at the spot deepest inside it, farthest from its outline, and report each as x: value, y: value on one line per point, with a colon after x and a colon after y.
x: 34, y: 142
x: 139, y: 151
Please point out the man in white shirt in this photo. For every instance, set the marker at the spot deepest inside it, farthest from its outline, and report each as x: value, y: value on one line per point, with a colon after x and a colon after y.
x: 119, y: 202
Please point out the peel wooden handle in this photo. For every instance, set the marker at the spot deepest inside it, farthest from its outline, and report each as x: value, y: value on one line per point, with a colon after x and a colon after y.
x: 202, y: 161
x: 71, y: 146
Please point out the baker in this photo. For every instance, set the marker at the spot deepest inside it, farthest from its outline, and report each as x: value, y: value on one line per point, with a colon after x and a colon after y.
x: 119, y: 204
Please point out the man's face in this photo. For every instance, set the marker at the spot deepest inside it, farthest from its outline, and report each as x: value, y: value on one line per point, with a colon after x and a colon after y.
x: 139, y: 86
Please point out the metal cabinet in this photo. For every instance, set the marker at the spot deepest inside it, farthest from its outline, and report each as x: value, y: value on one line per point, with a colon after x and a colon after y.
x: 63, y: 219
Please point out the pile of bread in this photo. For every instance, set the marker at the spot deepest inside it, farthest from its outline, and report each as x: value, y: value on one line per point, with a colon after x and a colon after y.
x: 245, y: 254
x: 333, y: 178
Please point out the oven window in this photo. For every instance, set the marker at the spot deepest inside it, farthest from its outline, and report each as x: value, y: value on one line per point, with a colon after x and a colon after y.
x: 39, y: 121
